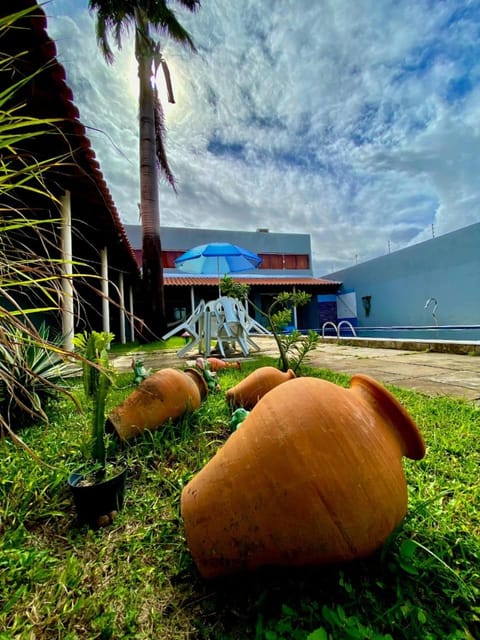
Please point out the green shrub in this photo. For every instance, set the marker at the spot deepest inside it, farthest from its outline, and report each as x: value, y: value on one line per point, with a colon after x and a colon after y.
x: 29, y: 375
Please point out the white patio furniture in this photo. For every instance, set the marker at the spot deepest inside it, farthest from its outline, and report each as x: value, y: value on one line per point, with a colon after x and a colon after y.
x: 252, y: 326
x: 225, y: 322
x: 193, y: 325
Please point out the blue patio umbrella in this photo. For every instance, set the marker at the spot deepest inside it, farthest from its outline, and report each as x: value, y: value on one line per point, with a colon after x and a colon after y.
x: 217, y: 258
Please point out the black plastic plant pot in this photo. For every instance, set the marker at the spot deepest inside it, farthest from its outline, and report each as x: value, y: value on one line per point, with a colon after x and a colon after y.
x: 95, y: 502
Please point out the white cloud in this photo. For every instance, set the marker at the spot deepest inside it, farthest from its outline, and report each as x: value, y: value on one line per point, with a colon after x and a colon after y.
x: 357, y: 122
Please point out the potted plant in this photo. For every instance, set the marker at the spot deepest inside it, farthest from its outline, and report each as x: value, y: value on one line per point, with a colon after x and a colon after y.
x: 99, y: 489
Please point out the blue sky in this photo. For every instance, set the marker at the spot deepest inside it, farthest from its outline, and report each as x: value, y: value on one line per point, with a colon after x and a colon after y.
x: 355, y: 121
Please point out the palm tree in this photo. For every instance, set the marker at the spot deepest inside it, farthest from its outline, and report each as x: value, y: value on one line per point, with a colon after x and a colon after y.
x: 115, y: 18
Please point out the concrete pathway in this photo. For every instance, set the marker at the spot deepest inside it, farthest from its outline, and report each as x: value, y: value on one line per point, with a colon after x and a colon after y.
x: 430, y: 373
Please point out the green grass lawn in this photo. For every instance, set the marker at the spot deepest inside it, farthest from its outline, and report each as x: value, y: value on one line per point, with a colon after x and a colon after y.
x: 118, y: 349
x: 135, y: 579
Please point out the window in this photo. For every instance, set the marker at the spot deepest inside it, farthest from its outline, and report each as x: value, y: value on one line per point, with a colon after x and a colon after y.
x: 284, y: 261
x: 296, y: 261
x: 271, y: 261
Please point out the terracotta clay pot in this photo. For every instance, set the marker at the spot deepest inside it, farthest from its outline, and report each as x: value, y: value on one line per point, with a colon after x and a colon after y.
x: 249, y: 391
x: 216, y: 364
x: 168, y: 393
x: 313, y: 475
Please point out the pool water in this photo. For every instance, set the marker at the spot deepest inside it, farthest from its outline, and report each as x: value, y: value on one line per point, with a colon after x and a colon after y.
x: 467, y: 333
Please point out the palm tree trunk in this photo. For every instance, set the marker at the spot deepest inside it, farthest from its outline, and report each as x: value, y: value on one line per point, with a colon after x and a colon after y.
x: 153, y: 285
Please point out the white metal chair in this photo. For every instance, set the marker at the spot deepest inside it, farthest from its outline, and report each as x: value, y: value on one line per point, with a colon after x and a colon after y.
x: 194, y: 325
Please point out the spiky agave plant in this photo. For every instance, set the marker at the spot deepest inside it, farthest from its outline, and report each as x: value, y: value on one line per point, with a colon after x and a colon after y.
x: 30, y: 374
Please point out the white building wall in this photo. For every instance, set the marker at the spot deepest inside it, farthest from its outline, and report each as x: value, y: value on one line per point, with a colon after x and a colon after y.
x: 446, y: 268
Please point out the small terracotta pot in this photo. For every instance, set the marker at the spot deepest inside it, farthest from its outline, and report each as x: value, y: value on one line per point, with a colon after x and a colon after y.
x: 314, y: 475
x: 249, y: 391
x: 216, y: 364
x: 168, y: 393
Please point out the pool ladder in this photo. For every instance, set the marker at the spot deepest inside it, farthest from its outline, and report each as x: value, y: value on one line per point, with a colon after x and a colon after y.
x: 337, y: 327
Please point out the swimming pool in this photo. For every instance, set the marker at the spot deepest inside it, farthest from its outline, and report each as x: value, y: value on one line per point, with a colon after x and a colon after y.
x: 447, y: 332
x: 445, y: 338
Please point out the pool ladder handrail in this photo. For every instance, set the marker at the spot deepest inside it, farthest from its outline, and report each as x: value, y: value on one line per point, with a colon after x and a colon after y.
x: 337, y: 327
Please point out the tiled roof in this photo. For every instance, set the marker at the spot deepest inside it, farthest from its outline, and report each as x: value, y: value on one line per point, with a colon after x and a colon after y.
x: 52, y: 97
x: 187, y: 281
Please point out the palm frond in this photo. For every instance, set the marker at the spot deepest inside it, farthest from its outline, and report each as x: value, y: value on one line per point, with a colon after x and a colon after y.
x: 164, y: 20
x: 168, y: 80
x: 119, y: 17
x: 112, y: 18
x: 159, y: 143
x: 191, y: 5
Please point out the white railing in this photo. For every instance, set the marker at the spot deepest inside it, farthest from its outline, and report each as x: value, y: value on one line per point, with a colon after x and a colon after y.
x: 328, y: 324
x: 337, y: 327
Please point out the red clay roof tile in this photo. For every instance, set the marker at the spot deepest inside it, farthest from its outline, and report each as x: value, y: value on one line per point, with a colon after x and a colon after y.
x: 187, y: 281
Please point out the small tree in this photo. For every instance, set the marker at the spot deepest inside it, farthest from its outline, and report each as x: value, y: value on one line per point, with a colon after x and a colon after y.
x: 233, y: 289
x: 294, y: 346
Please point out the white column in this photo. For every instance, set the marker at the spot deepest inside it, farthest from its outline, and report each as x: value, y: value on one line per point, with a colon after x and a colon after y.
x: 105, y: 304
x: 295, y: 322
x: 67, y: 270
x: 121, y: 289
x: 132, y: 320
x: 192, y: 298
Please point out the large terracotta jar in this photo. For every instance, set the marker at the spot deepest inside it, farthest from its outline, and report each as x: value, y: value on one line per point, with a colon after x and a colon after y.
x: 248, y: 392
x: 168, y: 393
x: 313, y: 475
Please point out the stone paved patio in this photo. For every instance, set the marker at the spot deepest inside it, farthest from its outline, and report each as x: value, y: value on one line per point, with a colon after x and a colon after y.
x: 431, y: 373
